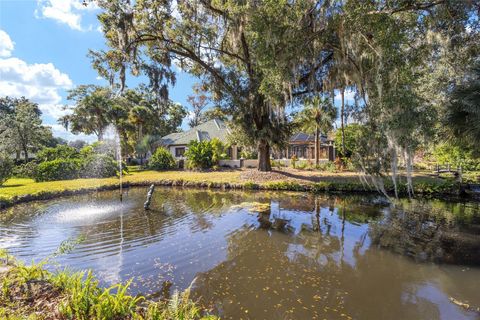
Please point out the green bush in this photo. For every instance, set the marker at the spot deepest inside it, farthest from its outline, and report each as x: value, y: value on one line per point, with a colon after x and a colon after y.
x: 456, y: 156
x: 199, y: 155
x: 162, y: 159
x: 58, y: 152
x: 60, y: 169
x: 219, y: 150
x: 328, y: 166
x: 25, y: 170
x: 6, y: 166
x: 99, y: 166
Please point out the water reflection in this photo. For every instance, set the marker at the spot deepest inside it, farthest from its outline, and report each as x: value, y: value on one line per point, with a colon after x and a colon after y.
x: 262, y: 255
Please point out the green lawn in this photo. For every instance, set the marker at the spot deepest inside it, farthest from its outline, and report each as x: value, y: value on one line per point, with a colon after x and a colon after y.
x: 17, y: 187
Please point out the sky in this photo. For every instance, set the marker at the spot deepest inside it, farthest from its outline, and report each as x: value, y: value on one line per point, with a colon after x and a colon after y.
x: 43, y: 54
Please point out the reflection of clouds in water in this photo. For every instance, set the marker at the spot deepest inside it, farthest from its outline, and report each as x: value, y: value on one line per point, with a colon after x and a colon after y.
x: 428, y: 295
x: 9, y: 241
x: 89, y: 213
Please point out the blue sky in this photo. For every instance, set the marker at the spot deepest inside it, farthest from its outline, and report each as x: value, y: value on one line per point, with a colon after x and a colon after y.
x: 43, y: 47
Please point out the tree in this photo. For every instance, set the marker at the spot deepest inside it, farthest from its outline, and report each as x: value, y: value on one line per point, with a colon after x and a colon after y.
x: 77, y: 144
x: 351, y: 137
x: 90, y: 113
x: 318, y: 117
x: 133, y: 114
x: 198, y: 101
x: 215, y: 112
x: 462, y: 117
x: 251, y: 55
x: 21, y: 126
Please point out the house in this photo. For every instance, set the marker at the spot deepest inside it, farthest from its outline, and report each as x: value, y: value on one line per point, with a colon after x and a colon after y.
x: 177, y: 142
x: 302, y: 145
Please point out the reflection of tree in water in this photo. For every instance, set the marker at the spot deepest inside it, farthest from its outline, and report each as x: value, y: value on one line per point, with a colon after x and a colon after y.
x: 258, y: 281
x: 277, y: 275
x: 431, y: 231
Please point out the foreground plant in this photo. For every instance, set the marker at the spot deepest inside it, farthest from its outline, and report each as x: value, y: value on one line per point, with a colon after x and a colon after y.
x: 31, y: 292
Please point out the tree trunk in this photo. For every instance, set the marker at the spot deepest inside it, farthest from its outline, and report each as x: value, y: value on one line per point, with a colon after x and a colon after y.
x: 317, y: 145
x: 264, y: 156
x: 25, y: 151
x: 342, y: 115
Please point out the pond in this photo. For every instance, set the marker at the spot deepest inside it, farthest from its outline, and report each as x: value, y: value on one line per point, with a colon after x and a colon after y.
x: 267, y: 255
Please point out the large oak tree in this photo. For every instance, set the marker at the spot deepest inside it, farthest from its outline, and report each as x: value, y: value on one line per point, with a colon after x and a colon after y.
x: 255, y: 56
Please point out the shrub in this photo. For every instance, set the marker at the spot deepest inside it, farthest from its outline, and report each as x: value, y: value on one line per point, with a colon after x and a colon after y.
x: 162, y: 159
x: 199, y: 155
x: 328, y: 166
x: 6, y: 166
x: 60, y: 169
x: 25, y: 170
x: 99, y: 166
x: 58, y: 152
x: 249, y: 154
x: 219, y: 150
x: 294, y: 160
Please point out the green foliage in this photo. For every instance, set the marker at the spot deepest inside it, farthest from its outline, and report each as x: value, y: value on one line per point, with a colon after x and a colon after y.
x: 25, y: 170
x: 219, y: 150
x: 99, y: 166
x: 63, y: 163
x: 248, y: 153
x: 456, y: 155
x: 58, y: 152
x: 60, y: 169
x: 292, y: 186
x: 21, y: 128
x: 180, y: 306
x: 327, y: 166
x: 353, y: 133
x: 82, y: 298
x: 162, y: 159
x: 462, y: 117
x: 6, y: 167
x: 199, y: 155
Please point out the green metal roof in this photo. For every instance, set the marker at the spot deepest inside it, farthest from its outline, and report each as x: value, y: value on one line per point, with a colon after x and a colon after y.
x: 204, y: 132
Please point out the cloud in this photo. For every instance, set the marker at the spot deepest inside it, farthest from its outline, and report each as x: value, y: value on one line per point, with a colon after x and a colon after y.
x: 39, y: 82
x: 59, y: 131
x: 68, y: 12
x: 6, y: 44
x: 349, y: 96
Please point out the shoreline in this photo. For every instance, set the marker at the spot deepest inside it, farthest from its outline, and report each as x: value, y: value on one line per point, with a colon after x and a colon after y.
x: 458, y: 191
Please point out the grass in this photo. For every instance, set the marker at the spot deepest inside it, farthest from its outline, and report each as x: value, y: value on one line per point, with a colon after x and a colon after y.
x: 287, y: 179
x: 19, y: 187
x: 31, y: 292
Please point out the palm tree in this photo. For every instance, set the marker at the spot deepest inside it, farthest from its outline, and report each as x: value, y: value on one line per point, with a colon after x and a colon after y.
x: 318, y: 116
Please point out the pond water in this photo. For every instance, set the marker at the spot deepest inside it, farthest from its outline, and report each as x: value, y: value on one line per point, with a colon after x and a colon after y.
x: 267, y: 255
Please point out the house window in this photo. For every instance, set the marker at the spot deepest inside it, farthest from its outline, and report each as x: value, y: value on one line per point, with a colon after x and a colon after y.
x: 229, y: 152
x: 179, y: 152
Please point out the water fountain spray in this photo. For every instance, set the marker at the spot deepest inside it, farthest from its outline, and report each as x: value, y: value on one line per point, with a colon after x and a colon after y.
x: 118, y: 151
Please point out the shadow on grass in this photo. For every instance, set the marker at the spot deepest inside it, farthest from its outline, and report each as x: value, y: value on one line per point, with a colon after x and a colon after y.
x: 11, y: 186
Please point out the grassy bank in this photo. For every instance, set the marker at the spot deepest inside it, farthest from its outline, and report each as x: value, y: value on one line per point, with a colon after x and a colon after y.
x: 20, y: 190
x: 31, y: 292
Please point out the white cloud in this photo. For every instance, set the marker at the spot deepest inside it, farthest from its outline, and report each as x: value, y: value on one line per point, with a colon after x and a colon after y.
x: 59, y: 131
x: 349, y: 96
x: 39, y: 82
x: 68, y: 12
x: 6, y: 44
